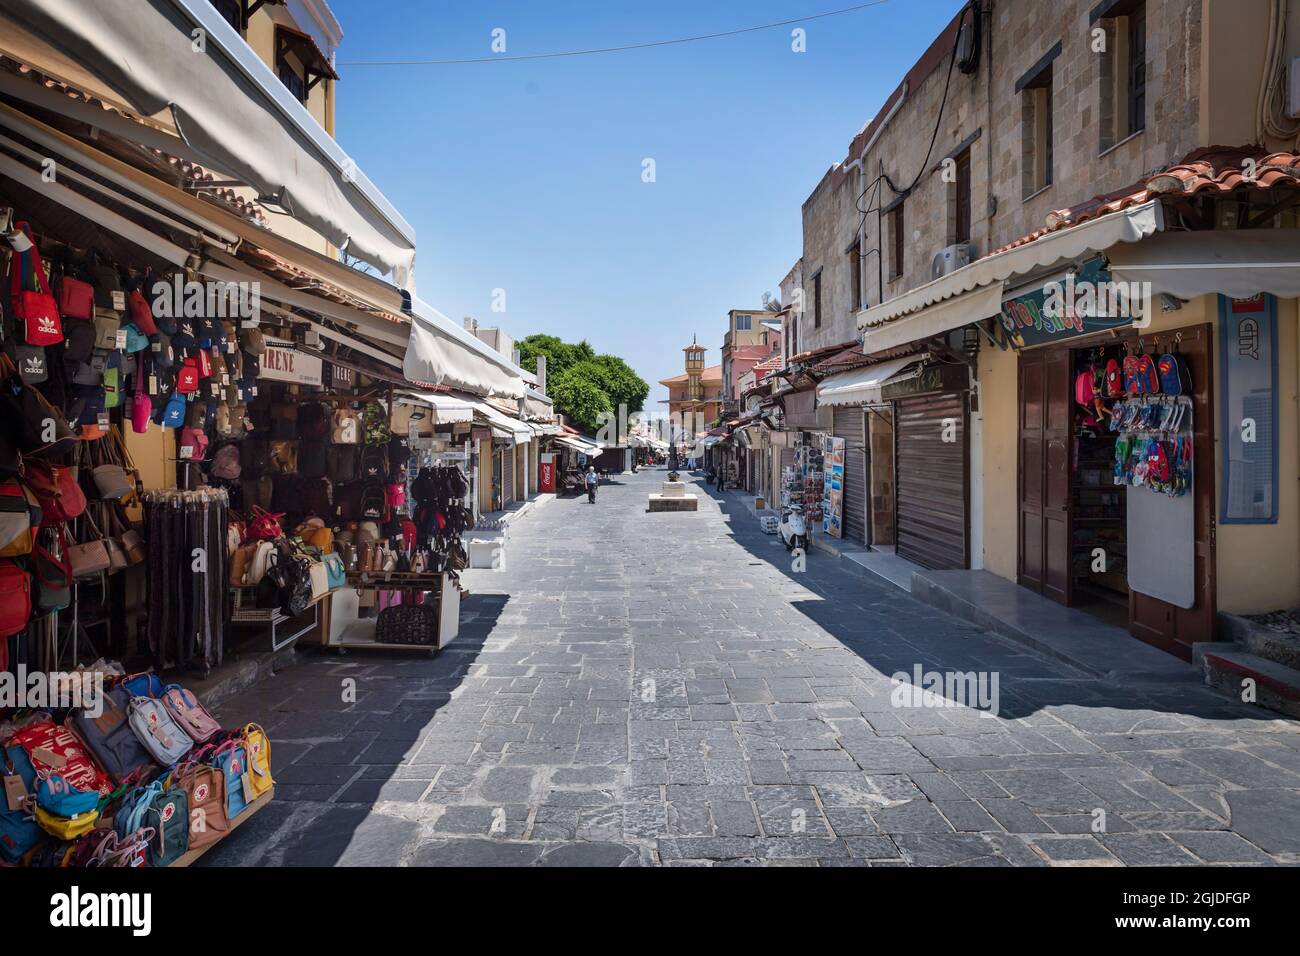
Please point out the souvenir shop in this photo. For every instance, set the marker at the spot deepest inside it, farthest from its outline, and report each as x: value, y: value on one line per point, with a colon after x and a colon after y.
x: 178, y: 482
x: 1115, y: 482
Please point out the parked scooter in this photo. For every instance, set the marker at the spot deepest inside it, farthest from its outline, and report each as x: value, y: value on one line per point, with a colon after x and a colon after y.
x: 793, y: 531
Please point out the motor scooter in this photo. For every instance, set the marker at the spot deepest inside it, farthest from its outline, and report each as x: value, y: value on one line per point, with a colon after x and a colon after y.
x: 792, y: 530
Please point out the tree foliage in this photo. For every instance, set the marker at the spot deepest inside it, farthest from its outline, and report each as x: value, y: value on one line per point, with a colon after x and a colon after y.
x: 582, y: 383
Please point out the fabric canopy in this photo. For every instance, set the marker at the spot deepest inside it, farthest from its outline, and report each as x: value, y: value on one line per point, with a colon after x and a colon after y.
x: 1236, y: 262
x: 447, y: 409
x: 578, y: 444
x: 503, y: 424
x: 226, y: 105
x: 974, y: 292
x: 861, y: 386
x: 443, y: 353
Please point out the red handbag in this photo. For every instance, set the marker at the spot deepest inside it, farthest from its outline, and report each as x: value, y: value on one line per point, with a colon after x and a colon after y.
x: 15, y: 598
x: 37, y: 311
x: 187, y: 379
x: 57, y: 490
x: 264, y: 525
x: 141, y: 312
x: 76, y: 299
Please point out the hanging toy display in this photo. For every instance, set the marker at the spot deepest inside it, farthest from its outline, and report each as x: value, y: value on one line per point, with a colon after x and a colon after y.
x: 1153, y: 423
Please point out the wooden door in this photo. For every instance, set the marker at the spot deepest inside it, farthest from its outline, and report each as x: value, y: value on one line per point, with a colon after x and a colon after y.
x: 1157, y: 622
x: 1043, y: 473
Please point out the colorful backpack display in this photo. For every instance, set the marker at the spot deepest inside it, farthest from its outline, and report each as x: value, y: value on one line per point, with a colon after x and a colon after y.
x: 110, y: 736
x: 258, y: 746
x: 204, y: 787
x: 18, y: 830
x: 185, y: 708
x: 231, y: 759
x: 55, y: 749
x: 163, y: 809
x: 154, y: 727
x: 374, y: 424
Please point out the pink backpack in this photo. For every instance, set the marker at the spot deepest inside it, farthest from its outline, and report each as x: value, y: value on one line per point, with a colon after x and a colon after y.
x: 189, y: 713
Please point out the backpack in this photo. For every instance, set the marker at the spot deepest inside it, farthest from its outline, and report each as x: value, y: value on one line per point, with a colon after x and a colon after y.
x: 316, y: 495
x: 231, y: 759
x: 373, y: 503
x: 226, y: 463
x: 205, y: 796
x: 110, y: 736
x: 343, y: 462
x: 258, y: 746
x: 1131, y: 375
x: 254, y: 457
x: 18, y: 831
x: 65, y: 811
x: 311, y: 458
x: 313, y: 420
x: 185, y: 708
x: 374, y: 424
x: 1170, y: 373
x: 345, y: 427
x: 71, y: 759
x: 154, y: 727
x: 165, y: 811
x: 144, y: 684
x: 374, y: 463
x: 1148, y: 378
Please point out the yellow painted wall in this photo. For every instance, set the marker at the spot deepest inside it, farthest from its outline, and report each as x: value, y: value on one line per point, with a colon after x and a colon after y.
x: 1257, y: 566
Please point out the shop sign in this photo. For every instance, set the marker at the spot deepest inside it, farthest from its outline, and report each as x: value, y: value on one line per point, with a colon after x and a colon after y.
x: 481, y: 434
x: 1248, y: 377
x: 282, y: 362
x: 1081, y: 302
x: 341, y: 377
x: 931, y: 378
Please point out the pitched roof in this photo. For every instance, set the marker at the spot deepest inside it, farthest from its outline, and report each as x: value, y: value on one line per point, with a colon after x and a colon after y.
x: 712, y: 373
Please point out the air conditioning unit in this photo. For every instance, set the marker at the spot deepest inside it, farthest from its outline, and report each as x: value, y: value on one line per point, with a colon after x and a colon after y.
x: 950, y: 259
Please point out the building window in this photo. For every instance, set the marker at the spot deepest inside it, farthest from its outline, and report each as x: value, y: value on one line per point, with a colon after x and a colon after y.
x: 292, y: 78
x: 232, y: 11
x: 896, y: 244
x: 817, y: 300
x: 1122, y: 102
x: 1036, y: 132
x: 961, y: 197
x: 300, y: 63
x: 744, y: 323
x: 855, y: 275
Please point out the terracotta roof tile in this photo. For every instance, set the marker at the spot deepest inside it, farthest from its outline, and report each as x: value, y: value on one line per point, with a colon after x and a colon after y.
x: 1212, y: 169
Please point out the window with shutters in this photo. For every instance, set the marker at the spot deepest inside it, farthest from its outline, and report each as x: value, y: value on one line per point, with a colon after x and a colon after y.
x: 1120, y: 27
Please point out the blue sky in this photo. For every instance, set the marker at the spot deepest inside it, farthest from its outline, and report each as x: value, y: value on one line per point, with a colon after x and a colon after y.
x: 526, y: 176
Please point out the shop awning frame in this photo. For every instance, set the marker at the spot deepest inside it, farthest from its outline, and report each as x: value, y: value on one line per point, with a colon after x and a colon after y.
x: 862, y: 386
x: 974, y: 292
x: 1235, y: 262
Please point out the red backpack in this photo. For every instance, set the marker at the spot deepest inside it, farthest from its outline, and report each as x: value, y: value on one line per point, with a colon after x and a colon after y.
x: 15, y: 598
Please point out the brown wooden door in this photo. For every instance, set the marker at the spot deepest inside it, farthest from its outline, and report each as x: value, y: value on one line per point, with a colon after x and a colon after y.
x: 1157, y: 622
x: 1044, y: 473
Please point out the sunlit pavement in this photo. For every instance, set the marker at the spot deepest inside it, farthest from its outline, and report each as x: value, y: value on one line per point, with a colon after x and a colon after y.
x: 640, y: 689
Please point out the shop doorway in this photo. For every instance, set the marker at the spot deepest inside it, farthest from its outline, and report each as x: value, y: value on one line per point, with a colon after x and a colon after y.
x: 1073, y: 519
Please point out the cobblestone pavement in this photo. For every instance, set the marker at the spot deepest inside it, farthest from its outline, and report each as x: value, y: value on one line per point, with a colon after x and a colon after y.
x: 768, y: 735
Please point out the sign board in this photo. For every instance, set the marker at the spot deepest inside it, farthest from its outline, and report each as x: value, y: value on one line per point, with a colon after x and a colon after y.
x: 282, y: 362
x: 948, y: 377
x: 1249, y: 381
x: 546, y: 473
x: 1079, y: 302
x: 341, y: 377
x: 481, y: 434
x: 833, y: 487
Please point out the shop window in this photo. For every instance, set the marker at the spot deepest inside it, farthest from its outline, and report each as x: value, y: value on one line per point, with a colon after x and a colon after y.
x: 855, y: 275
x: 1122, y: 97
x: 1036, y: 124
x: 896, y: 243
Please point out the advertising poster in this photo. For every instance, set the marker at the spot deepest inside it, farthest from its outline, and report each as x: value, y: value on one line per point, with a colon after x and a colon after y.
x: 833, y: 480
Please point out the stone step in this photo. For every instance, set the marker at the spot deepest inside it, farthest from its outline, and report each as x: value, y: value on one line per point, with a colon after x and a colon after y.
x: 1277, y: 686
x: 1274, y: 646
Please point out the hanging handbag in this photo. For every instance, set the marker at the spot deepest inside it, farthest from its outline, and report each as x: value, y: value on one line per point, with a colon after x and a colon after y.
x: 141, y: 312
x: 107, y: 325
x: 15, y: 598
x: 76, y: 298
x: 264, y: 525
x: 53, y: 580
x: 88, y: 558
x: 37, y: 311
x: 57, y: 490
x: 17, y: 530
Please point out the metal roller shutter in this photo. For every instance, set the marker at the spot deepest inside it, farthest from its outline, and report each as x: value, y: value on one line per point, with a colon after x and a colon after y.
x: 508, y: 475
x: 849, y: 424
x: 930, y: 481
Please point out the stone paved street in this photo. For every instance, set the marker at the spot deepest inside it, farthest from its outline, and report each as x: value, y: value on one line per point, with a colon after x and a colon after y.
x: 639, y: 689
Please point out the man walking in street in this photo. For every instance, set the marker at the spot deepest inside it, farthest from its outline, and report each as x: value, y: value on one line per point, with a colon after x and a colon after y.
x: 592, y: 480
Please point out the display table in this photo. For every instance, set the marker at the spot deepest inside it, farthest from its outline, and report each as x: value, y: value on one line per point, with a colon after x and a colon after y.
x: 437, y: 588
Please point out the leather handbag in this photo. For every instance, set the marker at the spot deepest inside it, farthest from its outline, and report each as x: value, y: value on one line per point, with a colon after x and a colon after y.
x: 57, y: 490
x: 38, y: 311
x: 112, y: 482
x: 91, y: 557
x: 76, y: 298
x: 284, y: 457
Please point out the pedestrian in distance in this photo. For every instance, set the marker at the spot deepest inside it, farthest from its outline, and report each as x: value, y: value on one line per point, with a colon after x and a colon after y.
x: 592, y: 480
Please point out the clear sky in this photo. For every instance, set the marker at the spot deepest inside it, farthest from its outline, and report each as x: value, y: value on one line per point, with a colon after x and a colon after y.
x: 527, y: 176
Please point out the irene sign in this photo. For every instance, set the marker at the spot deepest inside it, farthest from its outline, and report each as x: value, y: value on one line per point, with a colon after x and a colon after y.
x: 1081, y: 302
x: 282, y: 362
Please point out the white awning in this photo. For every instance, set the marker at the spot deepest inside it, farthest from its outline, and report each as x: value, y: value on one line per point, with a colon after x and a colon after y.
x: 577, y: 444
x: 441, y: 352
x: 227, y: 107
x: 446, y: 408
x: 501, y: 423
x: 861, y: 386
x: 974, y: 292
x: 1237, y: 262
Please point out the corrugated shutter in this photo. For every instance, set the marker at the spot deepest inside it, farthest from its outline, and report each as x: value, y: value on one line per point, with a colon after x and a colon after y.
x: 508, y: 476
x: 931, y: 485
x: 850, y: 425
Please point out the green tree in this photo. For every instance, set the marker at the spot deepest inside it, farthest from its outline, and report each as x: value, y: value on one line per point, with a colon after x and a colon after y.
x: 579, y: 397
x: 621, y: 384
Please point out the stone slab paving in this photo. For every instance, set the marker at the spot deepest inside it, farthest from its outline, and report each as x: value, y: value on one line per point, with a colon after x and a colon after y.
x: 665, y: 689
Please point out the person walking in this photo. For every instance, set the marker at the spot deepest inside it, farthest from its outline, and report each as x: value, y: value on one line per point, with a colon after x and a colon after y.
x: 592, y: 480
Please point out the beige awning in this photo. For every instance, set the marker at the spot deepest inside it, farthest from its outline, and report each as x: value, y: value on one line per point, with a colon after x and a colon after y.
x: 444, y: 353
x: 1235, y: 262
x: 974, y: 292
x: 447, y: 409
x: 226, y: 106
x: 861, y: 386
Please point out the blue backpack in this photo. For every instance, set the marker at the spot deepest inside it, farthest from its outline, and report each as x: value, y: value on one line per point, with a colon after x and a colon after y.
x: 18, y: 829
x: 232, y: 761
x: 165, y: 810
